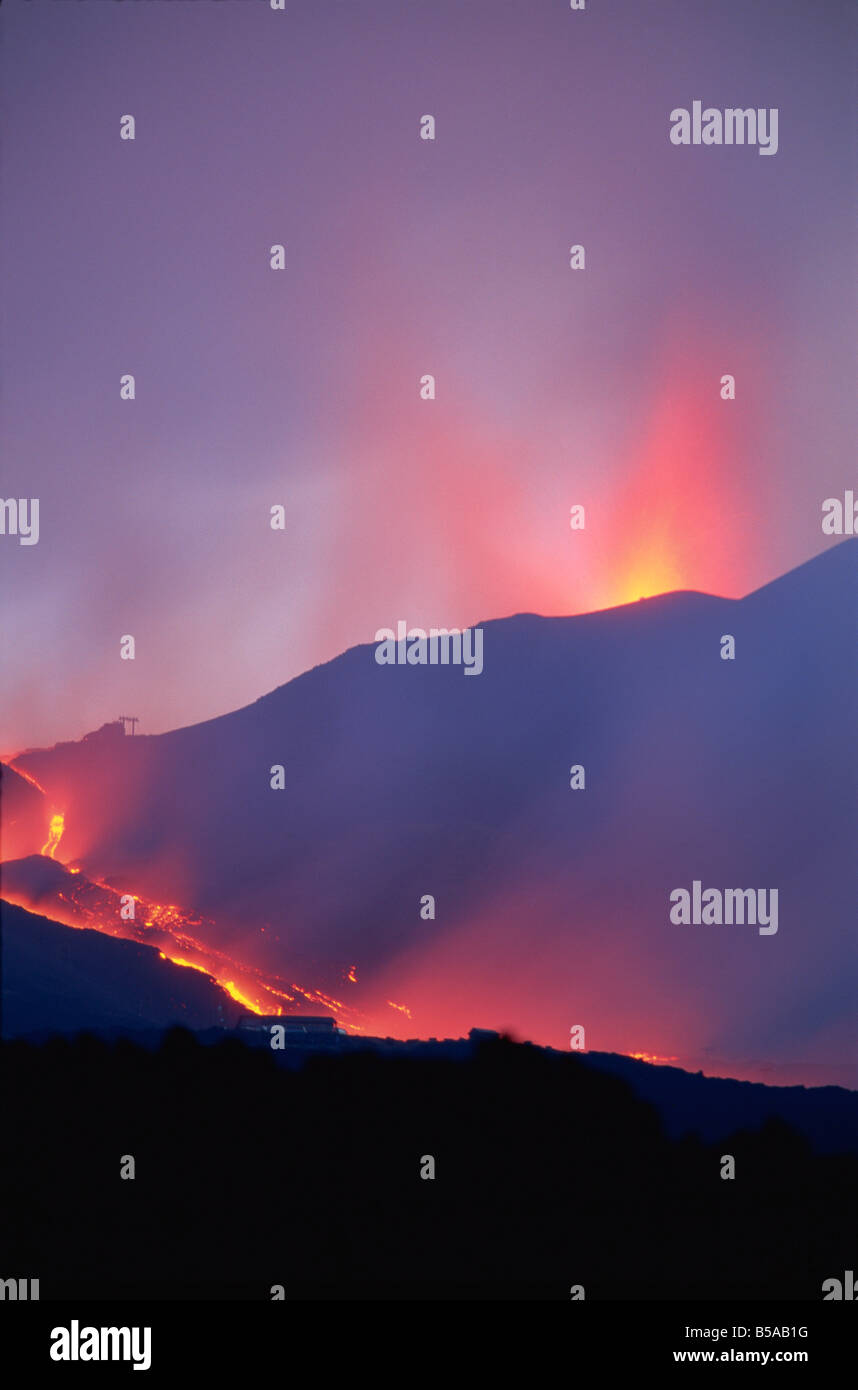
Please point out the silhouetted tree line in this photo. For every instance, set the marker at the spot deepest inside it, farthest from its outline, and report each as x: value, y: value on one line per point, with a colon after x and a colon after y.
x: 248, y: 1174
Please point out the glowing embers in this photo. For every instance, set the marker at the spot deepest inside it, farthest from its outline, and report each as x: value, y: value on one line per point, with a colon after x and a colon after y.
x: 55, y: 834
x: 185, y: 964
x: 180, y: 936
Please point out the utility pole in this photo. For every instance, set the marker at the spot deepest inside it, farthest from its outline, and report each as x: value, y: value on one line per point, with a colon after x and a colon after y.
x: 131, y: 719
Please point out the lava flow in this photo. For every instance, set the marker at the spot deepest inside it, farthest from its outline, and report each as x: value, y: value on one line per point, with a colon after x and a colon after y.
x: 179, y: 937
x: 74, y: 900
x: 55, y: 834
x: 58, y: 820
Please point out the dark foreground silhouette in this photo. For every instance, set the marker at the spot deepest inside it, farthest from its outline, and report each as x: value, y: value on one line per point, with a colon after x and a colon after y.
x: 250, y: 1174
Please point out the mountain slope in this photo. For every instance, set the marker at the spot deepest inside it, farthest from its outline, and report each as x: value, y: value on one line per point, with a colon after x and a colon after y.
x: 24, y: 815
x: 57, y: 978
x: 552, y: 904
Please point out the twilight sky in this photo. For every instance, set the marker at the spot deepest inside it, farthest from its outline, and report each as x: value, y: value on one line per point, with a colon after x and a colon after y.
x: 404, y: 257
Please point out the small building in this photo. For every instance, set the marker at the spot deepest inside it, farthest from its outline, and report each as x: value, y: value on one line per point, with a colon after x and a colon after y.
x: 296, y: 1025
x: 116, y: 729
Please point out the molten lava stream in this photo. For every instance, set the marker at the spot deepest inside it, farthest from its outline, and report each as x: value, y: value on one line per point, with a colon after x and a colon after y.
x: 55, y: 834
x: 92, y: 905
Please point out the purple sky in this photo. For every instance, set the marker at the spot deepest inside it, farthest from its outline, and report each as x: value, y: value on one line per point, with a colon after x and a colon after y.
x: 403, y: 257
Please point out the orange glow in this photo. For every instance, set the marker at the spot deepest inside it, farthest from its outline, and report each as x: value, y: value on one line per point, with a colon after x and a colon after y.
x: 235, y: 993
x: 85, y: 903
x: 55, y: 834
x: 315, y: 996
x: 281, y: 994
x: 650, y: 574
x: 401, y: 1007
x: 186, y: 964
x: 680, y: 479
x: 27, y: 778
x: 352, y: 975
x: 651, y: 1057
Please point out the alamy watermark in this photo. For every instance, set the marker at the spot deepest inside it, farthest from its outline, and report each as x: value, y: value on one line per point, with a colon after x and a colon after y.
x: 439, y: 646
x: 76, y: 1343
x: 712, y: 907
x: 733, y: 126
x: 14, y: 519
x: 19, y: 1290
